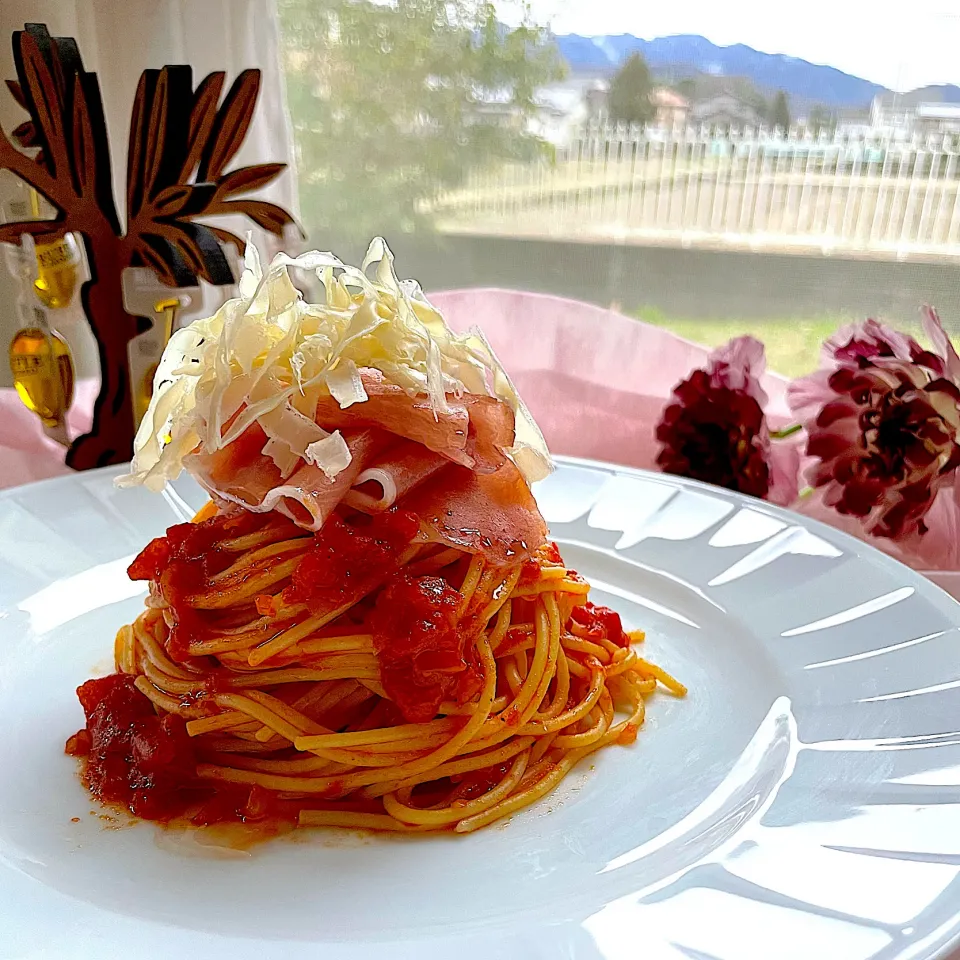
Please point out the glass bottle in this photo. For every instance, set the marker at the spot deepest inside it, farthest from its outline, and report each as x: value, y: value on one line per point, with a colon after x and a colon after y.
x: 58, y: 270
x: 48, y: 271
x: 42, y: 369
x: 58, y: 261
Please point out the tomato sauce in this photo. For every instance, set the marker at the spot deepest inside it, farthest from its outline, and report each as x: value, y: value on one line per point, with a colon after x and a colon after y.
x: 600, y: 623
x: 181, y: 563
x: 136, y: 759
x: 530, y: 571
x: 348, y: 559
x: 424, y: 659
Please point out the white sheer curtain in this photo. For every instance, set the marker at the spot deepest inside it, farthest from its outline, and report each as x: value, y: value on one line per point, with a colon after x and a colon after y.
x: 120, y: 39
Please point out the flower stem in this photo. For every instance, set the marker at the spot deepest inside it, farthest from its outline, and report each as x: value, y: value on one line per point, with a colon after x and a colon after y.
x: 786, y: 431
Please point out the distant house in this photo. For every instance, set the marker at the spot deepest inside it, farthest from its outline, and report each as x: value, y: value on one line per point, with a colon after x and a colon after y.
x: 938, y: 117
x: 894, y: 111
x: 853, y: 122
x: 672, y: 109
x: 563, y: 107
x: 725, y: 109
x: 891, y: 111
x: 595, y: 98
x: 495, y: 107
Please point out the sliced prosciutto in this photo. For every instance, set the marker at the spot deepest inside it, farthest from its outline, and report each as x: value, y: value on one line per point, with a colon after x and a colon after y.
x: 476, y: 432
x: 491, y: 433
x: 450, y: 469
x: 309, y: 496
x: 492, y: 514
x: 389, y: 407
x: 241, y: 473
x: 395, y: 473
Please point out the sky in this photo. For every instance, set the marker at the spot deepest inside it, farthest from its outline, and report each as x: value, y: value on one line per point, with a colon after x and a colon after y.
x: 901, y: 44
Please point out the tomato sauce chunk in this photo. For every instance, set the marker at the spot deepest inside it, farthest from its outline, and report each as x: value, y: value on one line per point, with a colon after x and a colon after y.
x: 181, y: 563
x: 600, y: 622
x: 423, y: 657
x: 134, y: 757
x: 348, y: 559
x: 547, y: 554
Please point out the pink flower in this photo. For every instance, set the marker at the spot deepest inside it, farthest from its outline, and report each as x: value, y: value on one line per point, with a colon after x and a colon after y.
x: 871, y: 339
x: 883, y: 425
x: 716, y: 430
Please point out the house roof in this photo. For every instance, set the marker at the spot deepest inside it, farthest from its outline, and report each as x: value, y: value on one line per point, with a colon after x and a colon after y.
x: 938, y: 111
x: 725, y: 106
x: 662, y: 97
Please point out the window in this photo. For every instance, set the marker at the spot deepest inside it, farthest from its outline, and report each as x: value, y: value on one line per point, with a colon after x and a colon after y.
x: 715, y: 168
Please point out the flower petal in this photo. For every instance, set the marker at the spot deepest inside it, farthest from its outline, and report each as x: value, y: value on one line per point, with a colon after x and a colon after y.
x: 738, y: 365
x: 835, y: 410
x: 806, y: 395
x: 826, y: 445
x: 941, y: 342
x: 784, y: 461
x: 864, y: 341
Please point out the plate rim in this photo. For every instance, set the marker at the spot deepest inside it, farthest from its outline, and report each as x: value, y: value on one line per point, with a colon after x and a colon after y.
x: 771, y: 509
x: 861, y: 548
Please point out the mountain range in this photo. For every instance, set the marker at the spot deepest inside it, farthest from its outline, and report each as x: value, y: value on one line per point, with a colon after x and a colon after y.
x: 690, y: 55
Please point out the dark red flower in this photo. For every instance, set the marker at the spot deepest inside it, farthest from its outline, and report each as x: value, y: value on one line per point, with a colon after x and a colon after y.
x: 710, y: 434
x: 716, y: 430
x: 884, y: 427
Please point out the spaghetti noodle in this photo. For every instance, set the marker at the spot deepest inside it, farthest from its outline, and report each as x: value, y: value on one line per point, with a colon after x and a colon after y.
x: 367, y: 626
x: 317, y: 718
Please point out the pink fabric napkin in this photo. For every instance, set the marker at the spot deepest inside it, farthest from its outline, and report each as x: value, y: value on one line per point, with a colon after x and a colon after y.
x: 595, y: 380
x: 26, y: 452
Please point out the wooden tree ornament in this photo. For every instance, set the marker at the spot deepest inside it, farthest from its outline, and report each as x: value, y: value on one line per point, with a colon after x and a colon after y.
x: 181, y: 141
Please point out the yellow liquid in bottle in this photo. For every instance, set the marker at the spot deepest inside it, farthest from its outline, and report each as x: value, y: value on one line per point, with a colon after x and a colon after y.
x: 58, y: 268
x: 42, y: 369
x: 165, y: 315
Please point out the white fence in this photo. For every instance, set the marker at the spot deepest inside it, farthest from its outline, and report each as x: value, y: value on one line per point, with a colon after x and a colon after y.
x: 862, y: 194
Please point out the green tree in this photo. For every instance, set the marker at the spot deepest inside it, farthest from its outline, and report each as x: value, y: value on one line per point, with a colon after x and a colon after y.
x: 392, y: 103
x: 780, y: 111
x: 819, y: 120
x: 759, y: 105
x: 686, y: 87
x: 629, y: 98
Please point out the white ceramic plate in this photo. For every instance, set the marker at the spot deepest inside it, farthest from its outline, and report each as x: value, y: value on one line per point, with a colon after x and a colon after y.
x: 802, y: 802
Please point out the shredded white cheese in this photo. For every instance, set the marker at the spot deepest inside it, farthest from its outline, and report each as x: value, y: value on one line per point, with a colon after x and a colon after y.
x: 268, y: 355
x: 331, y: 454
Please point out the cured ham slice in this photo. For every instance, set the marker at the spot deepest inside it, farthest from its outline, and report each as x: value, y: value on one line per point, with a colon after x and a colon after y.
x: 391, y: 408
x: 491, y: 432
x: 309, y: 496
x: 491, y: 514
x: 394, y: 474
x: 451, y: 469
x: 241, y: 473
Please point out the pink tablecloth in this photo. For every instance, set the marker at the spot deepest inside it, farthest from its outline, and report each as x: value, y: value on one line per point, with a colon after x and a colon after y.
x: 26, y: 453
x: 595, y: 380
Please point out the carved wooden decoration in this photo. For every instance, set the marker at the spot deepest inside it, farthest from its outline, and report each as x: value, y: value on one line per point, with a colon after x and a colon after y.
x: 181, y: 141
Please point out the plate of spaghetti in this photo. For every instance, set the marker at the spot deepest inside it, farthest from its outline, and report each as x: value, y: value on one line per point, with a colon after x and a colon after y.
x: 343, y: 662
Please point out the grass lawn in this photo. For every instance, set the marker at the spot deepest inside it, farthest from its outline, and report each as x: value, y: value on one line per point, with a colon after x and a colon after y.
x: 792, y: 345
